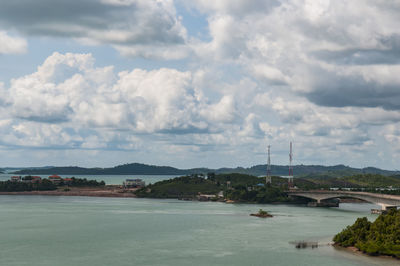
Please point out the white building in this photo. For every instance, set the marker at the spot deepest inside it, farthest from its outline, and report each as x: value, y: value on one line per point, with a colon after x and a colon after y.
x: 133, y: 183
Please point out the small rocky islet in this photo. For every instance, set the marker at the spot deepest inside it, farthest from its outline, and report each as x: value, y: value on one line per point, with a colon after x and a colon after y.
x: 262, y: 214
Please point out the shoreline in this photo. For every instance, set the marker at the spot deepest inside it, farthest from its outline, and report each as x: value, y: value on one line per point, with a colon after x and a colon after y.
x: 107, y: 191
x: 355, y: 251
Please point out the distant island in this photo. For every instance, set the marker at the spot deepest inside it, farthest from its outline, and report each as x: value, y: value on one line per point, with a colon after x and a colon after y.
x: 231, y: 187
x: 381, y: 237
x: 36, y: 183
x: 218, y: 187
x: 251, y: 189
x: 55, y: 185
x: 306, y: 171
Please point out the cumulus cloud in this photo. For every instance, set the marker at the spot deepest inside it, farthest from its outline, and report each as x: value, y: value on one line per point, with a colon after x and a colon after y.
x: 11, y: 45
x: 132, y: 27
x: 334, y: 53
x: 321, y: 73
x: 67, y: 91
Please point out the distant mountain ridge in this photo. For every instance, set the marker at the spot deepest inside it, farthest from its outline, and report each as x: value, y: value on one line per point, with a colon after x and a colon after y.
x: 13, y: 169
x: 309, y: 171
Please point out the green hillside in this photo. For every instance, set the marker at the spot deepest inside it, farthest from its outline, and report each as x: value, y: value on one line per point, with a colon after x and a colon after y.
x: 303, y: 171
x: 382, y: 237
x: 357, y: 181
x: 180, y: 187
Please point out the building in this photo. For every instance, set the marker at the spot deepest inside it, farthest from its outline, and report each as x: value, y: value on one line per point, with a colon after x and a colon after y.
x: 55, y: 179
x: 15, y: 178
x: 36, y: 179
x: 205, y: 197
x: 133, y: 183
x: 27, y: 179
x: 67, y: 181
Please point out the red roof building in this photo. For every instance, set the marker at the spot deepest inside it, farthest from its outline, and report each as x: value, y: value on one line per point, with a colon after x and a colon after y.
x: 16, y: 178
x: 55, y: 179
x: 36, y: 179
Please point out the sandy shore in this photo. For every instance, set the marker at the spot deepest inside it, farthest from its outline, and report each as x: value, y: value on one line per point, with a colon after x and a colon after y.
x: 107, y: 191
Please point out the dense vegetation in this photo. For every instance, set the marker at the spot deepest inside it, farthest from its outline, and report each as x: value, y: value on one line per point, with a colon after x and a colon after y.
x: 381, y: 237
x: 304, y: 171
x: 373, y: 180
x: 258, y: 194
x: 180, y: 187
x: 237, y: 187
x: 357, y: 181
x: 248, y: 188
x: 83, y: 182
x: 45, y: 184
x: 9, y: 186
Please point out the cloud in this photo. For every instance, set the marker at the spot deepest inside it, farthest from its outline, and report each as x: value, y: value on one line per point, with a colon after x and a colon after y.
x: 11, y: 45
x: 68, y: 91
x: 236, y: 7
x: 366, y: 86
x: 332, y: 52
x: 321, y: 73
x: 129, y: 26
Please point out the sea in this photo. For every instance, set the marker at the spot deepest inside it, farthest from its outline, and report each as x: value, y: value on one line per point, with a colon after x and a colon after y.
x: 88, y: 231
x: 108, y: 179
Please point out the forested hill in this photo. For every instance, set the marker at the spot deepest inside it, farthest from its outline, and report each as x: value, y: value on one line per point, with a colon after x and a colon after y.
x: 132, y: 169
x: 309, y: 171
x: 381, y: 237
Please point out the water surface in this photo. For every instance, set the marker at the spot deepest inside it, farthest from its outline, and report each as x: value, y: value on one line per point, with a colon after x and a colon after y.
x: 56, y: 230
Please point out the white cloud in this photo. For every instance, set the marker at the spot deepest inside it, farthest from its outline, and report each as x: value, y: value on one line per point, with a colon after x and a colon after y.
x: 67, y: 91
x: 332, y: 52
x: 321, y: 73
x: 11, y: 45
x: 134, y: 27
x: 223, y: 112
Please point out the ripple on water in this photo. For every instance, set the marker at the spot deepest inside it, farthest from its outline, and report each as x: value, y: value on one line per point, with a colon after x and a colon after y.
x: 119, y: 232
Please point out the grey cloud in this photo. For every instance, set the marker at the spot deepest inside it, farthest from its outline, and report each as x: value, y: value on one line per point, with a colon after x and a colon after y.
x: 142, y: 22
x: 322, y: 132
x: 237, y: 8
x: 388, y: 54
x: 334, y: 90
x: 344, y: 94
x: 359, y: 56
x: 52, y: 118
x: 240, y: 8
x: 354, y: 140
x: 27, y: 15
x: 185, y: 130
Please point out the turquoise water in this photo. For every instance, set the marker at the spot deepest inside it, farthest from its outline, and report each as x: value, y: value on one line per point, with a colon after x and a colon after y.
x: 109, y: 179
x: 52, y: 230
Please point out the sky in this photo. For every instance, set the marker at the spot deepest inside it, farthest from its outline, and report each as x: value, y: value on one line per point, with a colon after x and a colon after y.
x: 200, y: 83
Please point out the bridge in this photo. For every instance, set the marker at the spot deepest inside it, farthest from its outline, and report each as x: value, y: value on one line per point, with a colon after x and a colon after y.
x: 384, y: 200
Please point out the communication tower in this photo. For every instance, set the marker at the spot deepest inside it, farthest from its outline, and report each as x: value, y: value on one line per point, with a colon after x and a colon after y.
x: 290, y: 179
x: 268, y: 178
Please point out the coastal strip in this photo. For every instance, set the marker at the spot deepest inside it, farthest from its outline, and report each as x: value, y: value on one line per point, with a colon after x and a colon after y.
x: 106, y: 191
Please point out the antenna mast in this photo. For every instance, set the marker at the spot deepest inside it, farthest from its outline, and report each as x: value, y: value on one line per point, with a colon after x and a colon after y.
x: 268, y: 178
x: 290, y: 179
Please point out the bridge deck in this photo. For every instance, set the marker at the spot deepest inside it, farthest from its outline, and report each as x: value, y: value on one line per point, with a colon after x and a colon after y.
x: 381, y: 199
